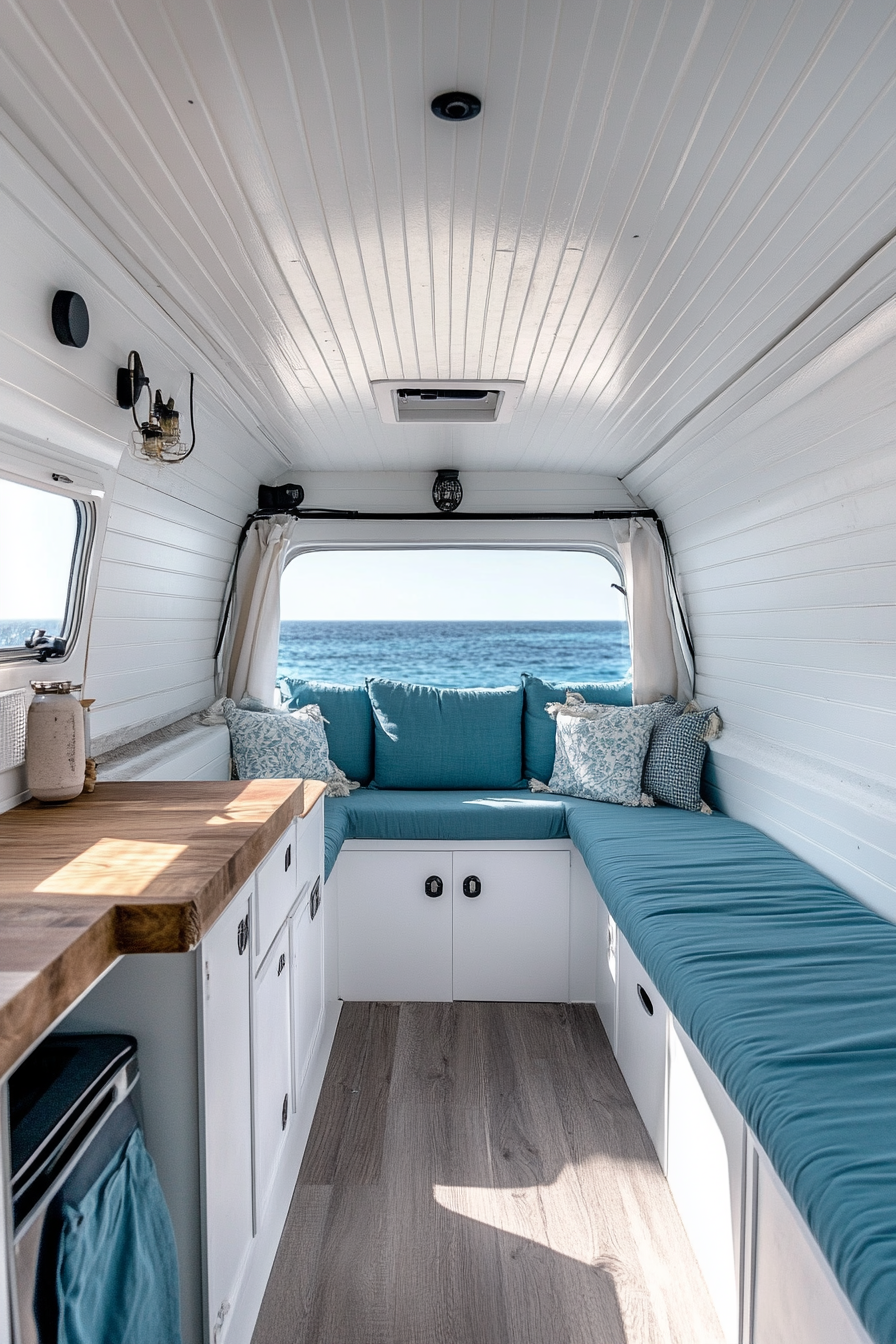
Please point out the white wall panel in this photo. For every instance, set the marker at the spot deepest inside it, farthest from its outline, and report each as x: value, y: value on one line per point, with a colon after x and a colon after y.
x: 780, y: 511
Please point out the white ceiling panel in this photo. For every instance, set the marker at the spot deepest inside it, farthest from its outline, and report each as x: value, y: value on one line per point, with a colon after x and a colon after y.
x: 653, y: 194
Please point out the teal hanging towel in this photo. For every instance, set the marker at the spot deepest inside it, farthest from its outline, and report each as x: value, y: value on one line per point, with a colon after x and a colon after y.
x: 116, y: 1274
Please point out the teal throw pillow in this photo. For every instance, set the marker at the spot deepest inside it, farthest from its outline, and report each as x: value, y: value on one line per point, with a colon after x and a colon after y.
x: 349, y: 721
x: 426, y: 737
x: 538, y: 727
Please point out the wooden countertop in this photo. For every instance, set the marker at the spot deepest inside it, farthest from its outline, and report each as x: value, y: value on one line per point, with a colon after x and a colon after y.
x: 141, y: 867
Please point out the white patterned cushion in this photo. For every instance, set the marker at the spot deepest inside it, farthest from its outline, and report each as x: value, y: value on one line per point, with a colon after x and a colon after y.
x: 600, y: 750
x: 279, y: 745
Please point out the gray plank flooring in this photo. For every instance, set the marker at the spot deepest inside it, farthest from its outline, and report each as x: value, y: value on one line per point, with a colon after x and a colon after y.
x: 478, y: 1174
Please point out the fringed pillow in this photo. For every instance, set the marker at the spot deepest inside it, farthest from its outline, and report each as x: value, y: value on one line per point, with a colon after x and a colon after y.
x: 599, y: 751
x: 677, y: 752
x: 274, y: 744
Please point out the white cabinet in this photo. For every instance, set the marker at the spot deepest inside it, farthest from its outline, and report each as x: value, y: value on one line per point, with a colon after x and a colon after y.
x: 464, y: 924
x: 271, y: 1066
x: 307, y: 949
x: 395, y: 925
x: 795, y: 1297
x: 642, y: 1022
x: 227, y: 1110
x: 511, y: 925
x: 705, y: 1168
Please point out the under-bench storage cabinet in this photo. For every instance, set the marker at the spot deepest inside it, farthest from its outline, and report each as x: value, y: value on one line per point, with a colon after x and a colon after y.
x: 454, y: 924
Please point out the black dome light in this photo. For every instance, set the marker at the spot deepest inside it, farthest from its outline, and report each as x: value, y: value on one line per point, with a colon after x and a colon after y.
x: 456, y: 106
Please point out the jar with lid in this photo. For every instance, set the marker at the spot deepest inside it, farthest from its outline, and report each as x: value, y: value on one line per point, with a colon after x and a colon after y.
x: 54, y: 744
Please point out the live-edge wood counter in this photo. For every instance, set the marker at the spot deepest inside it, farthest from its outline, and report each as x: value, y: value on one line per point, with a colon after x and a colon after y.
x: 142, y: 867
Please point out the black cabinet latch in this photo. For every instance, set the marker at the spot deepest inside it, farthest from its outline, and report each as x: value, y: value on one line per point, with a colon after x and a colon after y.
x: 472, y: 886
x: 242, y: 935
x: 281, y: 964
x: 287, y: 858
x: 284, y: 1114
x: 433, y: 886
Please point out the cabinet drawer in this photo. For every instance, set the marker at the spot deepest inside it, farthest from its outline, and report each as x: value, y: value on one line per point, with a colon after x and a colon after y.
x: 276, y: 888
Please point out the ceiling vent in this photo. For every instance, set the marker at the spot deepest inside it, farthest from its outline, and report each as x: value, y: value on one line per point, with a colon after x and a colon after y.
x: 446, y: 402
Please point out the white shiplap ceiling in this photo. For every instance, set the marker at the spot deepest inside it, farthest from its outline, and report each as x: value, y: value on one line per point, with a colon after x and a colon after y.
x: 653, y: 194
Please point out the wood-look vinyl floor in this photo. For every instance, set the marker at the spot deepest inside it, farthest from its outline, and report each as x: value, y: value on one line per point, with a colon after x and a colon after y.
x: 478, y: 1174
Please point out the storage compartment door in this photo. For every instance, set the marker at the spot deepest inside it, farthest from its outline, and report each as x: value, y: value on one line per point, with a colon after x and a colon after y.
x: 307, y: 983
x: 395, y: 925
x: 796, y: 1298
x: 705, y: 1168
x: 511, y: 925
x: 641, y: 1026
x: 271, y: 1067
x: 227, y: 1098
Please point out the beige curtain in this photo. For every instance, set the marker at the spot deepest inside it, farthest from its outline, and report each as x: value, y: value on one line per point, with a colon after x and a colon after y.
x: 255, y: 639
x: 661, y: 659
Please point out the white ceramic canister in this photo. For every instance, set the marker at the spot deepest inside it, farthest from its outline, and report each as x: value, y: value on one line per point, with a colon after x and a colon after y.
x: 54, y: 745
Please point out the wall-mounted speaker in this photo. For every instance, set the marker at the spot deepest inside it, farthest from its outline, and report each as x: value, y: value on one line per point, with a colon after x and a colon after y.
x: 71, y: 320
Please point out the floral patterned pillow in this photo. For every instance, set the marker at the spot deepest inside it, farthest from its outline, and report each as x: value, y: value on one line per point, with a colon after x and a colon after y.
x: 271, y: 745
x: 600, y: 750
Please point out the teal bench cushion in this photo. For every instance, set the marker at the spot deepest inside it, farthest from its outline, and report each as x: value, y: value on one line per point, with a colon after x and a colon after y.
x: 786, y: 985
x: 783, y: 980
x: 538, y: 727
x: 457, y: 814
x: 349, y: 721
x: 429, y: 738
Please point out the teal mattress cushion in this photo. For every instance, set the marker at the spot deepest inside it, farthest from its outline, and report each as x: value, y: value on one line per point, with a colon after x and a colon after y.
x: 463, y: 814
x: 538, y: 726
x: 426, y: 737
x: 785, y: 983
x: 349, y: 723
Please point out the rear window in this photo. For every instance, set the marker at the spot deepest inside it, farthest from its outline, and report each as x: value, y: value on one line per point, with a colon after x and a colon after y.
x: 459, y: 617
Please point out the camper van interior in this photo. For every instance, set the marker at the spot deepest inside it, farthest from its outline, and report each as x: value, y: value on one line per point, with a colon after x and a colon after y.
x: 448, y: 672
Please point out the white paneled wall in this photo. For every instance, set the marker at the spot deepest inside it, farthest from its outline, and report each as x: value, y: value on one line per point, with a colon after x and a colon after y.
x: 164, y: 566
x: 164, y: 556
x: 781, y: 517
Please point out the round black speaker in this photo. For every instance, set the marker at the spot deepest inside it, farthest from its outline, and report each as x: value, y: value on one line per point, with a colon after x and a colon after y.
x: 456, y: 106
x: 71, y: 320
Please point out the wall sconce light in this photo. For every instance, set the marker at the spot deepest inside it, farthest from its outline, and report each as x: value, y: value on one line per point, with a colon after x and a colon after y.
x: 447, y: 492
x: 157, y: 439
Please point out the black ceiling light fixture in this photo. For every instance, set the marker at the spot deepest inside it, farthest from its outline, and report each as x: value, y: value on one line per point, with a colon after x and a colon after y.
x: 447, y: 491
x: 157, y: 439
x: 456, y: 106
x: 71, y: 320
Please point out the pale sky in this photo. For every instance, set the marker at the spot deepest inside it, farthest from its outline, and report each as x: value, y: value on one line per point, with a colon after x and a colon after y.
x: 37, y: 535
x: 423, y: 585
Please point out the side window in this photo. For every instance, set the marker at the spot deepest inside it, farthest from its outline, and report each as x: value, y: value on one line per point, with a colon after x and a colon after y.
x: 43, y: 552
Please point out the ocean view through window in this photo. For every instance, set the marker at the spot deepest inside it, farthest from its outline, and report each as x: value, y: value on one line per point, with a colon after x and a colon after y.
x: 453, y: 617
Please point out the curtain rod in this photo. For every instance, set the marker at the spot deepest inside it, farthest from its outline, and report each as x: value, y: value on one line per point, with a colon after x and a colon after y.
x: 339, y: 514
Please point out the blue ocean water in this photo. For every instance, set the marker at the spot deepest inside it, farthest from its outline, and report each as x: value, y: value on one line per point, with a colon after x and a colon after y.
x: 454, y: 653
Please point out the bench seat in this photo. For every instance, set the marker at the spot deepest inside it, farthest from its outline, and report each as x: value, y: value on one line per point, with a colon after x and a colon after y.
x: 786, y: 984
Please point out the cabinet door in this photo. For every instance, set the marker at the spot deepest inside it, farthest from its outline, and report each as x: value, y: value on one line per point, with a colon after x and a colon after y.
x: 276, y: 885
x: 606, y: 971
x: 227, y: 1100
x: 796, y: 1298
x: 705, y: 1168
x: 271, y: 1066
x: 394, y: 936
x: 307, y: 982
x: 641, y: 1026
x: 511, y: 933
